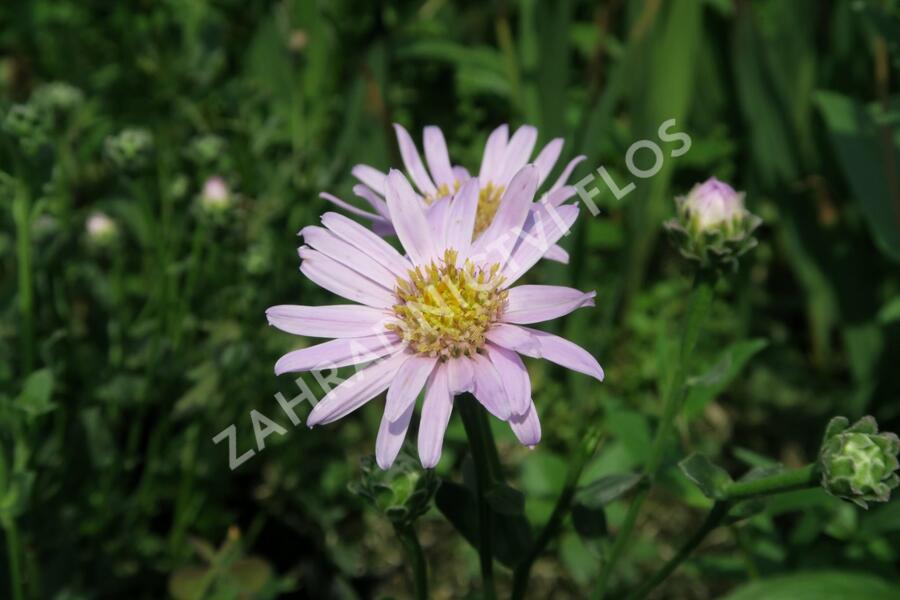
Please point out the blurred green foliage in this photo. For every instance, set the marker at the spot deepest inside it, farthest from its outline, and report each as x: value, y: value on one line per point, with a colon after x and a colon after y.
x: 120, y: 361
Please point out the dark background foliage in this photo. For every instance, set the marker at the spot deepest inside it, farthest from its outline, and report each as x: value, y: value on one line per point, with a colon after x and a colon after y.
x: 121, y: 359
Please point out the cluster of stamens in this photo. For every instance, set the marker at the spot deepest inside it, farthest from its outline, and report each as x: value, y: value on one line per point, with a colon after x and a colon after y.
x: 444, y: 310
x: 488, y: 203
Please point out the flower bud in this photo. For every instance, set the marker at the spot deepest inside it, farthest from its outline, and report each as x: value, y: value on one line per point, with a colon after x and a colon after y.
x: 403, y: 492
x: 857, y: 462
x: 101, y: 230
x: 58, y: 98
x: 130, y: 150
x: 206, y: 150
x: 29, y: 125
x: 712, y: 225
x: 216, y: 197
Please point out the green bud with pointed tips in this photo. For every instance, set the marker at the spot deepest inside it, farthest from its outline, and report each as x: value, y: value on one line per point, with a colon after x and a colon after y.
x: 712, y: 226
x: 857, y: 462
x: 402, y: 493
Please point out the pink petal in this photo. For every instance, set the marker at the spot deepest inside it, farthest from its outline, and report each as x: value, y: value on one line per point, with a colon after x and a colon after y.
x: 333, y: 246
x: 518, y: 151
x: 368, y: 242
x: 558, y: 254
x: 370, y: 176
x: 564, y: 176
x: 498, y: 241
x: 407, y: 384
x: 413, y: 162
x: 356, y: 391
x: 565, y: 353
x: 390, y: 437
x: 547, y: 158
x: 437, y: 156
x: 461, y: 174
x: 494, y: 151
x: 339, y: 321
x: 409, y: 219
x: 377, y: 202
x: 350, y: 208
x: 460, y: 375
x: 514, y: 377
x: 542, y: 230
x: 489, y: 388
x: 343, y: 281
x: 536, y: 303
x: 438, y: 214
x: 558, y: 196
x: 461, y: 222
x: 527, y: 427
x: 435, y: 416
x: 341, y: 352
x: 513, y: 337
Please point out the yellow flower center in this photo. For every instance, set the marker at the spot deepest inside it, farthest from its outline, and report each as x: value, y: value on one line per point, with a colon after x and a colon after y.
x: 444, y: 311
x: 488, y: 203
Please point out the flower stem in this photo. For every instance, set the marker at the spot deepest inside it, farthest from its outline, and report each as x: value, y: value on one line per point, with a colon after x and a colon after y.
x: 551, y: 528
x: 713, y: 519
x: 806, y: 477
x: 416, y: 558
x: 486, y: 463
x: 22, y: 217
x: 698, y: 309
x: 12, y: 551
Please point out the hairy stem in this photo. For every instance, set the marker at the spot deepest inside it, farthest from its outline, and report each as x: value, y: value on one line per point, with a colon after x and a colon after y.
x: 806, y: 477
x: 551, y: 528
x: 416, y: 559
x: 698, y: 309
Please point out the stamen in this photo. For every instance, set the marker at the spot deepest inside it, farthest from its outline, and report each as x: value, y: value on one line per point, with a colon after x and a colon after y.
x: 444, y: 311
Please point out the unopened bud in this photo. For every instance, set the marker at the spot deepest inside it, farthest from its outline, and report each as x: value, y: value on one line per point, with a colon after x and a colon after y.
x: 857, y: 462
x: 102, y: 231
x: 712, y: 225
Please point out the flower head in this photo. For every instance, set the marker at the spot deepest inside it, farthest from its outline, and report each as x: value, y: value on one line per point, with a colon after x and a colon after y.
x: 436, y: 178
x: 712, y: 225
x: 857, y: 462
x: 101, y: 230
x: 216, y: 197
x: 130, y: 150
x: 403, y: 494
x: 445, y: 317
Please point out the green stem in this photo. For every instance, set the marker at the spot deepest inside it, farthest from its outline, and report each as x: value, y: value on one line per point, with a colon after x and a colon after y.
x: 551, y: 528
x: 416, y: 559
x: 698, y: 310
x: 12, y: 550
x: 22, y: 216
x: 486, y: 463
x: 713, y: 519
x: 806, y: 477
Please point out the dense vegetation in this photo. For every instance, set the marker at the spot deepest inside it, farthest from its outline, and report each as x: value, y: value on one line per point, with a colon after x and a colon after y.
x: 132, y: 302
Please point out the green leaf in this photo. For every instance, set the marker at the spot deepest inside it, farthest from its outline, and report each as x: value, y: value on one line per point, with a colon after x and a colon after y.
x: 711, y: 479
x: 512, y: 533
x: 35, y: 397
x: 705, y: 388
x: 606, y: 489
x: 867, y: 164
x: 633, y: 431
x: 506, y: 499
x: 589, y: 522
x: 818, y: 585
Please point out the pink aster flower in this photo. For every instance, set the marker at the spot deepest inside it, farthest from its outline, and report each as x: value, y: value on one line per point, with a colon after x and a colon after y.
x: 445, y: 317
x: 437, y: 178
